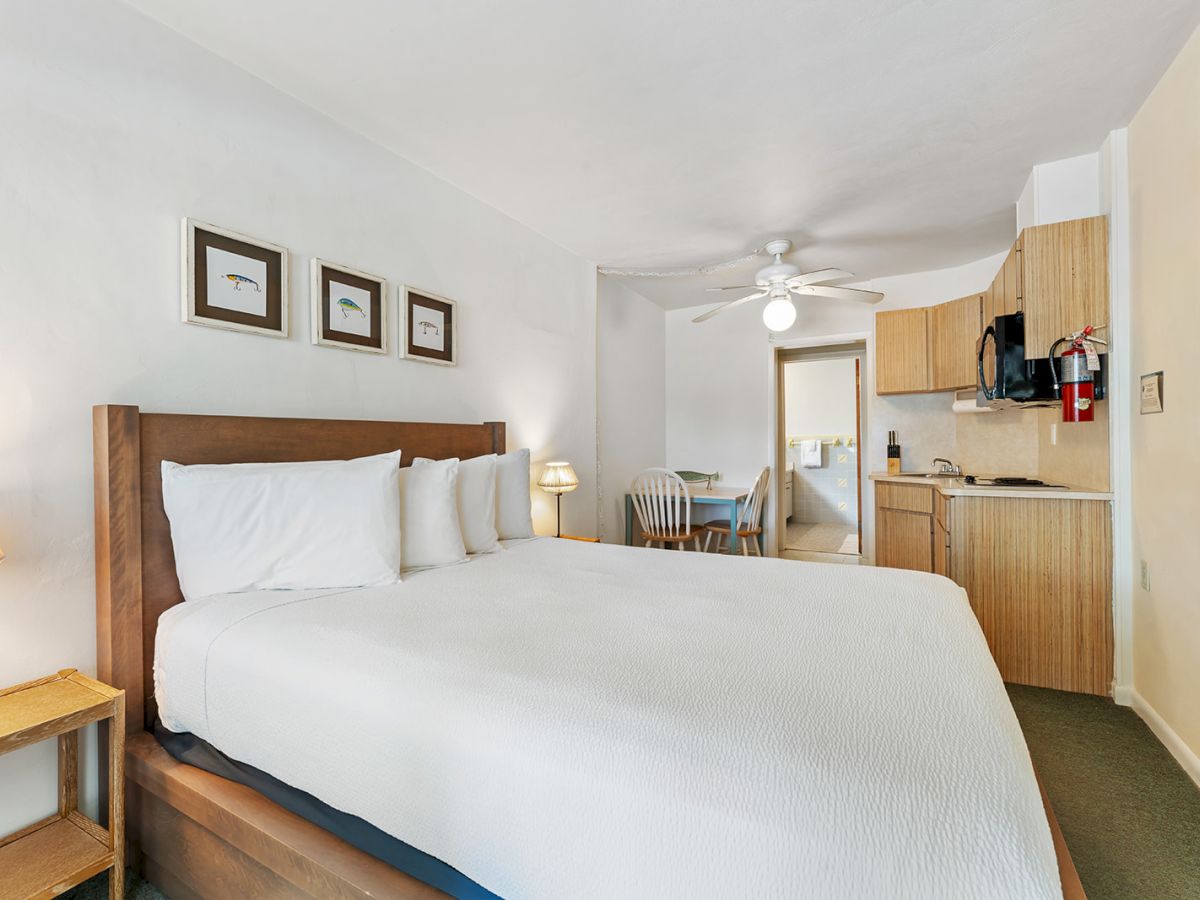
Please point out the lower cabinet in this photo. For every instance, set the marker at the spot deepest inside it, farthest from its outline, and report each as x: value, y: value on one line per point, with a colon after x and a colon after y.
x: 941, y: 549
x: 904, y: 526
x: 906, y: 542
x: 1037, y: 572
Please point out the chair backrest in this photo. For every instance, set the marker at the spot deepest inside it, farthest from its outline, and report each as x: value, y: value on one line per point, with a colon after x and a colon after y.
x: 662, y: 502
x: 752, y: 509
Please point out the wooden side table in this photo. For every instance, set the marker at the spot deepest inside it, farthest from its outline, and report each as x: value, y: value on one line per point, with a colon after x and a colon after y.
x: 66, y: 848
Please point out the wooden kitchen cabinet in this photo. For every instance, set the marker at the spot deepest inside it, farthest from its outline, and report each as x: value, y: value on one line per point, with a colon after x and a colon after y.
x: 1004, y: 296
x: 902, y: 351
x: 1037, y: 573
x: 941, y: 549
x: 1064, y: 280
x: 904, y: 526
x: 1057, y: 275
x: 954, y: 329
x: 941, y: 534
x: 904, y: 540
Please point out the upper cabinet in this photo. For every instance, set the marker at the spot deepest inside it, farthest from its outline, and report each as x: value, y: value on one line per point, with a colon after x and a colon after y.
x: 1064, y: 280
x: 1057, y: 275
x: 927, y: 348
x: 902, y: 351
x: 1003, y: 296
x: 953, y: 329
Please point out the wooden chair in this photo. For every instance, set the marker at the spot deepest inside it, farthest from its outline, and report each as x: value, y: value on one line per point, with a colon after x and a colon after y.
x: 749, y: 522
x: 664, y: 508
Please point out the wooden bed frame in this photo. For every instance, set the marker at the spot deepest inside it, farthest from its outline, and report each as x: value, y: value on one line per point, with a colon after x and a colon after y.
x: 194, y: 834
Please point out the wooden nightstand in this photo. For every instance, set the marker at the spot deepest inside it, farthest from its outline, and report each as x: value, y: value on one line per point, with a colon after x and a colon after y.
x: 67, y: 848
x: 576, y: 537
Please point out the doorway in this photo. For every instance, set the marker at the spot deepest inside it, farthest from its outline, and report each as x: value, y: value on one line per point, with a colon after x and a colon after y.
x: 820, y: 425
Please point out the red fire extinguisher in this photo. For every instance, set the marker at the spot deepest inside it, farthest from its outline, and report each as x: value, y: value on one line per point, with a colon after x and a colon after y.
x: 1076, y: 383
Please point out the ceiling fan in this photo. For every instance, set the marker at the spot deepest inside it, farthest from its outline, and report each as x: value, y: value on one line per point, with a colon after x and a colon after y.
x: 780, y: 280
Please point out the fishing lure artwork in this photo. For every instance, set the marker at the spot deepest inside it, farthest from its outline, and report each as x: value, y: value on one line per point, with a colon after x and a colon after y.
x: 347, y: 306
x: 425, y: 325
x: 239, y: 280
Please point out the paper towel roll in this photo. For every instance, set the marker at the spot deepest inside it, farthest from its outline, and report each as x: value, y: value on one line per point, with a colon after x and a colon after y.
x: 968, y: 406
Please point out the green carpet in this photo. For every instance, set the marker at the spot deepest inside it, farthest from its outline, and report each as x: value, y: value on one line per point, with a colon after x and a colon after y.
x: 1129, y: 813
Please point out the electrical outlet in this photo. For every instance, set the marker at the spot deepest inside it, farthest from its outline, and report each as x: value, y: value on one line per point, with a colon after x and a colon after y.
x: 1145, y: 575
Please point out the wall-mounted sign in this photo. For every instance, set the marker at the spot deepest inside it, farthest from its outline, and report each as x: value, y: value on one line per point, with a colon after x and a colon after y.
x: 1152, y: 393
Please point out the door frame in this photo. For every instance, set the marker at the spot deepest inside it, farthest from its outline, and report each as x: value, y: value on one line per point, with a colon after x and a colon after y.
x: 852, y: 345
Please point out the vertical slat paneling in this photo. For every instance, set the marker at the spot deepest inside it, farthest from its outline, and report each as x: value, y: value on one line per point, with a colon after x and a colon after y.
x: 1039, y: 577
x: 1065, y: 280
x: 902, y: 351
x: 955, y: 327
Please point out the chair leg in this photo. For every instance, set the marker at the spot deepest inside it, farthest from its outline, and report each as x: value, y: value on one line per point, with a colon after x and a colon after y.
x: 649, y: 543
x: 745, y: 548
x: 697, y: 543
x: 707, y: 538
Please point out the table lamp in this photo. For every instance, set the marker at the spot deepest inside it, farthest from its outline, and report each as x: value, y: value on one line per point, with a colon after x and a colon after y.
x: 558, y: 478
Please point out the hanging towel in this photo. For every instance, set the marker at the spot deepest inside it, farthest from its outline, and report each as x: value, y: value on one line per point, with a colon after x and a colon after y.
x: 810, y: 454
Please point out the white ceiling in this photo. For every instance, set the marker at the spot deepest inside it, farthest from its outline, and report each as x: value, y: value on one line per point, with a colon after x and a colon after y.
x: 882, y: 136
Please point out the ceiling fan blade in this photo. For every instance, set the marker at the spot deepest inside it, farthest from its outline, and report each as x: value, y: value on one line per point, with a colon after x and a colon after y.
x: 727, y: 306
x: 837, y: 293
x: 738, y: 287
x: 819, y: 276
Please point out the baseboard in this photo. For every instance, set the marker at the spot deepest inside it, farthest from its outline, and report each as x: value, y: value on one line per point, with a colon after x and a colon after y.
x: 1183, y: 754
x: 1122, y: 695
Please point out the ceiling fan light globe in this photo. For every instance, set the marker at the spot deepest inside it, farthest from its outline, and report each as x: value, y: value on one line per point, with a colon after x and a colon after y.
x: 779, y: 314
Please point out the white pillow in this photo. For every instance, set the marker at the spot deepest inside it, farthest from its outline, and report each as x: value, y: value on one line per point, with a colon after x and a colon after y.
x: 429, y: 515
x: 270, y: 526
x: 476, y: 502
x: 514, y: 511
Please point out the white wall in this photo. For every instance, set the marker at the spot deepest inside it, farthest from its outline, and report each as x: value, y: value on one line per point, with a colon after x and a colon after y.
x: 1164, y: 227
x: 631, y: 387
x: 719, y: 376
x: 819, y: 396
x: 115, y: 127
x: 1059, y: 191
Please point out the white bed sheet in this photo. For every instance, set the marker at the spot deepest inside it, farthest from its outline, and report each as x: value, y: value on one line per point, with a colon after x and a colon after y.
x: 573, y: 720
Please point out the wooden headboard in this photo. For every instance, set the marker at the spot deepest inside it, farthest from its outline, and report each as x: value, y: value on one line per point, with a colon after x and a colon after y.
x: 135, y: 563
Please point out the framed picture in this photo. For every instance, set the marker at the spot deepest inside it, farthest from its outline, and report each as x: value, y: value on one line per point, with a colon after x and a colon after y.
x: 349, y: 308
x: 232, y: 281
x: 429, y: 327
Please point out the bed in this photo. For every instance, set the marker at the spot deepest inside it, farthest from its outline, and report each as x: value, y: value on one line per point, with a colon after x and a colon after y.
x: 557, y: 719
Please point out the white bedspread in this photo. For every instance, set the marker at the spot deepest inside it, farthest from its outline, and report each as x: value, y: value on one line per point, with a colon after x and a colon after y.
x: 566, y: 720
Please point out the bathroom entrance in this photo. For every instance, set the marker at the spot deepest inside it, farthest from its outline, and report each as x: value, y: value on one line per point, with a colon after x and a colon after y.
x: 820, y: 411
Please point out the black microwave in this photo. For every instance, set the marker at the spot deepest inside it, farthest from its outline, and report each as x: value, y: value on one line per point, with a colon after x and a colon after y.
x: 1007, y: 378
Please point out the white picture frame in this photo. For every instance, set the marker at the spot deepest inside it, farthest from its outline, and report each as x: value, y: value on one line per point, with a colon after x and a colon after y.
x: 420, y: 346
x: 370, y: 289
x: 195, y: 284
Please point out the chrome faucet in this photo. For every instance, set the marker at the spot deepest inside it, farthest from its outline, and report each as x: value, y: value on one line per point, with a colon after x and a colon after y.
x: 948, y: 468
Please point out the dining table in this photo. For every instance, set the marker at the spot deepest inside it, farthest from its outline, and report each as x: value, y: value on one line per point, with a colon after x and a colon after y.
x: 719, y: 495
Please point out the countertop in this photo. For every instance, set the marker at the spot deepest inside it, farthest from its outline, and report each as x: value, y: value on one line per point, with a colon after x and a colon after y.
x: 956, y: 487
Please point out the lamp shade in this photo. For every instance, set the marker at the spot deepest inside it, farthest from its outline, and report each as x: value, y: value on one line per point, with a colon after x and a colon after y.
x: 558, y: 478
